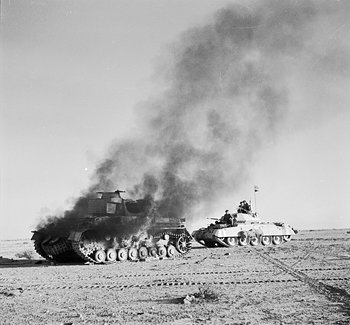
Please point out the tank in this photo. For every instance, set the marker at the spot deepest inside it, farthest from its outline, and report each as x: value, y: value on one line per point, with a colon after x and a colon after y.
x: 243, y: 228
x: 114, y: 229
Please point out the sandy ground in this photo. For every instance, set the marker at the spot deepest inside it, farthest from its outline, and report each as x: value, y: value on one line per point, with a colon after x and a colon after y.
x: 305, y: 281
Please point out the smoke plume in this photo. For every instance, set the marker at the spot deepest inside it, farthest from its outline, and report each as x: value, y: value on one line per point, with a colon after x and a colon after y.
x: 230, y: 86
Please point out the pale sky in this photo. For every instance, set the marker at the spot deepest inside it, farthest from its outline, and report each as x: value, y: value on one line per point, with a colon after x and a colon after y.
x: 71, y: 74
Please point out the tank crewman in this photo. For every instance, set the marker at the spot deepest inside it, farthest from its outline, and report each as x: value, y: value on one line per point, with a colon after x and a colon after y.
x: 234, y: 220
x: 244, y: 207
x: 226, y: 218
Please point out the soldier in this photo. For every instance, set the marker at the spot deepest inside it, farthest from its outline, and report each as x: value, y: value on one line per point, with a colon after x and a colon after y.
x: 244, y: 207
x: 234, y: 220
x: 226, y: 218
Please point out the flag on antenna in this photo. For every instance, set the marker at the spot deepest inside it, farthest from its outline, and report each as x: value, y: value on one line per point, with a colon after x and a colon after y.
x: 256, y: 188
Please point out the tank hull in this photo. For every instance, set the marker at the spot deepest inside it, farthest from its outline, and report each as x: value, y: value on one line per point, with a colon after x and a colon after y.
x: 88, y: 245
x: 249, y: 231
x: 113, y: 229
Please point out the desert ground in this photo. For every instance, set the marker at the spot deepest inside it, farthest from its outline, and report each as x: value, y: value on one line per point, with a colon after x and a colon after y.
x: 304, y: 281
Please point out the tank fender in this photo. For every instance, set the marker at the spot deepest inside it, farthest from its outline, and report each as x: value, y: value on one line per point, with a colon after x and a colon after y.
x: 75, y: 235
x: 35, y: 236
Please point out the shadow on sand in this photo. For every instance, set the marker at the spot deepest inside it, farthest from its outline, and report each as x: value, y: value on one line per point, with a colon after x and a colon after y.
x: 14, y: 263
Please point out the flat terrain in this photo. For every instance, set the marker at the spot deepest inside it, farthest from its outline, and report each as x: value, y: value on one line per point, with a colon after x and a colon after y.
x: 305, y: 281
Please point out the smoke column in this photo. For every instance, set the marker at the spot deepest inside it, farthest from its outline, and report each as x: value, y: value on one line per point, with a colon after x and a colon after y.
x: 230, y: 86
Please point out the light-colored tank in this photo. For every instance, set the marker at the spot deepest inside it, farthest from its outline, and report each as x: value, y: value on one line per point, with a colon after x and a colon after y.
x: 243, y: 228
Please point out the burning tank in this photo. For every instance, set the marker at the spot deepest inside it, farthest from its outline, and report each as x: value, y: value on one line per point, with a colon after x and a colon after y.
x: 243, y: 228
x: 114, y: 229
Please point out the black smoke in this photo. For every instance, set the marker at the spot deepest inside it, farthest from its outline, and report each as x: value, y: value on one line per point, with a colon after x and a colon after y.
x: 229, y: 87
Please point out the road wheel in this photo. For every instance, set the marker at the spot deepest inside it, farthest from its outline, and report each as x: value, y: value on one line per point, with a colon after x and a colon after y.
x: 100, y: 256
x: 231, y: 241
x: 243, y: 241
x: 152, y: 251
x: 133, y: 254
x: 122, y: 254
x: 143, y: 252
x: 161, y: 251
x: 276, y: 240
x: 266, y: 240
x: 287, y: 237
x: 171, y: 251
x: 254, y: 241
x: 111, y: 254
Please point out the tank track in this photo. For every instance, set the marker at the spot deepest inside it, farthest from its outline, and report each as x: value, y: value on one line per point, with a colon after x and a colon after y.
x: 40, y: 250
x: 82, y: 251
x: 62, y: 250
x: 220, y: 242
x: 56, y: 250
x: 176, y: 240
x: 180, y: 241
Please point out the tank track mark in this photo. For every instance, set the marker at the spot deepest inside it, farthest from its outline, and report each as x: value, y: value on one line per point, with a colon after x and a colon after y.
x: 332, y: 293
x: 171, y: 284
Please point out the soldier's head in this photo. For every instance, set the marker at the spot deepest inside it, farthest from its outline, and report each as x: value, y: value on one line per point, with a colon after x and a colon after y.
x: 226, y: 211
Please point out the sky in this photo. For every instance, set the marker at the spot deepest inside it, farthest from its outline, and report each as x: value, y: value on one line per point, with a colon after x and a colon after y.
x: 75, y: 75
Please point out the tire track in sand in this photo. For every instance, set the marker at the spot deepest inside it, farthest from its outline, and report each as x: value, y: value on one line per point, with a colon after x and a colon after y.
x: 332, y: 293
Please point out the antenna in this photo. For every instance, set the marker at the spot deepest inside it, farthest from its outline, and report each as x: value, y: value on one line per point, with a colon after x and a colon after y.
x: 256, y: 189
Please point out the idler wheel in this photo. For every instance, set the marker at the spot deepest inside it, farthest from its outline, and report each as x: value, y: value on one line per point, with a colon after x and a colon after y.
x: 143, y: 252
x: 243, y: 241
x: 111, y: 254
x: 152, y: 252
x: 181, y: 245
x: 254, y: 241
x: 266, y: 240
x: 100, y: 256
x: 133, y: 254
x: 170, y: 251
x: 161, y: 251
x: 231, y: 241
x: 287, y: 237
x: 276, y: 240
x: 122, y: 254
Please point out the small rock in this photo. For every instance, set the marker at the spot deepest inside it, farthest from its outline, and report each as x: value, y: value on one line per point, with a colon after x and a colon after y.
x: 227, y: 254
